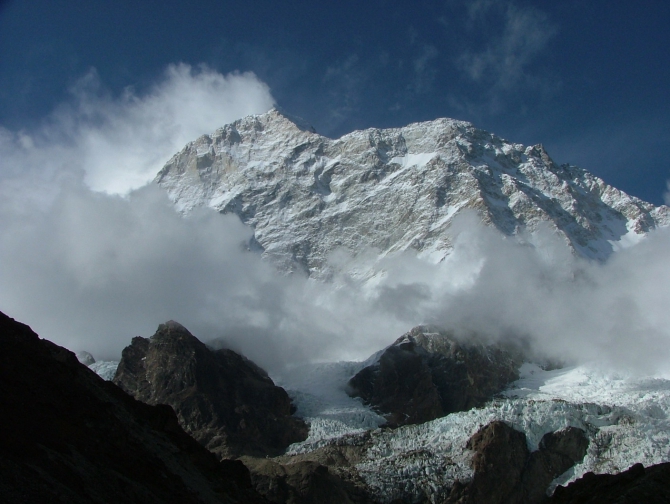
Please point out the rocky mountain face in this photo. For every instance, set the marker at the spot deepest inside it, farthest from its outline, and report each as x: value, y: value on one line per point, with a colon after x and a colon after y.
x: 426, y: 374
x: 69, y: 436
x: 223, y: 400
x: 306, y: 195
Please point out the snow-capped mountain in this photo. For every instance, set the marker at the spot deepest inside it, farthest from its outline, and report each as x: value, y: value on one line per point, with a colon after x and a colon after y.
x: 306, y: 195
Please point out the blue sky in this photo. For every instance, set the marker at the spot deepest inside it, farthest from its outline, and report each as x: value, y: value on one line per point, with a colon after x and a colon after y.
x: 589, y: 80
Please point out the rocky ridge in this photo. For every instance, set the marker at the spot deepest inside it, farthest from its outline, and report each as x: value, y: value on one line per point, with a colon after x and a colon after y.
x: 222, y: 399
x: 306, y: 195
x: 427, y: 374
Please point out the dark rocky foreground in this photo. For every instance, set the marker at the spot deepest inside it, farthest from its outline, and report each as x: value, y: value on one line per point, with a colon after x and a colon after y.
x: 69, y: 436
x: 222, y: 399
x: 427, y: 374
x: 307, y: 480
x: 638, y: 484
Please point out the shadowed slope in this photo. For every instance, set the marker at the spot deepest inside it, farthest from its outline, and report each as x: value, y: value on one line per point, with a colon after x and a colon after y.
x: 223, y: 400
x: 69, y: 436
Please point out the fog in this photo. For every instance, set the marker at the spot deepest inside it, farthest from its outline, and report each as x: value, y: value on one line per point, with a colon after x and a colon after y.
x: 91, y: 255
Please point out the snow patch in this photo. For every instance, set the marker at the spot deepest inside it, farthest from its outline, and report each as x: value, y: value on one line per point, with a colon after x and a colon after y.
x: 105, y: 369
x: 417, y: 160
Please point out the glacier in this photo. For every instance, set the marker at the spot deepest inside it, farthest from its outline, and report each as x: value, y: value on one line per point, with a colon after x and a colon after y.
x: 626, y: 418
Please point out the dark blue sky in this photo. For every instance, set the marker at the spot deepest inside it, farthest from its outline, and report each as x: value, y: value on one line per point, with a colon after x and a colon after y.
x: 589, y: 80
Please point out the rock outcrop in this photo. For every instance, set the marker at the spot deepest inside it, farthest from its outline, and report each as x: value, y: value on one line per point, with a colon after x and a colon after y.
x: 69, y: 436
x: 426, y: 374
x: 223, y: 400
x: 302, y: 482
x: 507, y: 473
x: 650, y: 485
x: 324, y: 475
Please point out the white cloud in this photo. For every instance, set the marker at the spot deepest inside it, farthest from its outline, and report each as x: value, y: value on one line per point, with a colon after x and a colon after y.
x: 89, y: 269
x: 120, y: 143
x: 614, y: 313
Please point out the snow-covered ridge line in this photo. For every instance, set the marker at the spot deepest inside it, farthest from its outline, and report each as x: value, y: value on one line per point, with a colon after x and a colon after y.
x: 306, y: 195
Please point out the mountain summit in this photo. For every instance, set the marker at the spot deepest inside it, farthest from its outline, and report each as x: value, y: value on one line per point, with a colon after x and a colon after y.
x: 389, y: 190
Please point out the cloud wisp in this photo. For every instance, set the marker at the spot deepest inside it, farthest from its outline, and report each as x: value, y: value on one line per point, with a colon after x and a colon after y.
x: 504, y: 61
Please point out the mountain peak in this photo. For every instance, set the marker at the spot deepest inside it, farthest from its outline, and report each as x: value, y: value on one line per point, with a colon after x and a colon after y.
x: 226, y: 402
x: 172, y: 327
x: 393, y: 190
x: 277, y: 112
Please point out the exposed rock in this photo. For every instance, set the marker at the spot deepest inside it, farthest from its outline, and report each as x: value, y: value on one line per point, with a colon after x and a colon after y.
x: 638, y: 484
x: 223, y: 400
x: 558, y: 452
x: 499, y: 461
x: 425, y: 375
x: 323, y: 475
x: 507, y: 473
x: 302, y: 482
x: 69, y: 436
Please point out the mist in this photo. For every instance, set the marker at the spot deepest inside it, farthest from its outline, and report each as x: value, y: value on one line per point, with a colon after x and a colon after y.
x: 92, y: 254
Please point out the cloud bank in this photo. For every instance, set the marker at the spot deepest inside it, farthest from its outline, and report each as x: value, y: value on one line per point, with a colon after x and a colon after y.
x: 535, y: 290
x: 90, y: 269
